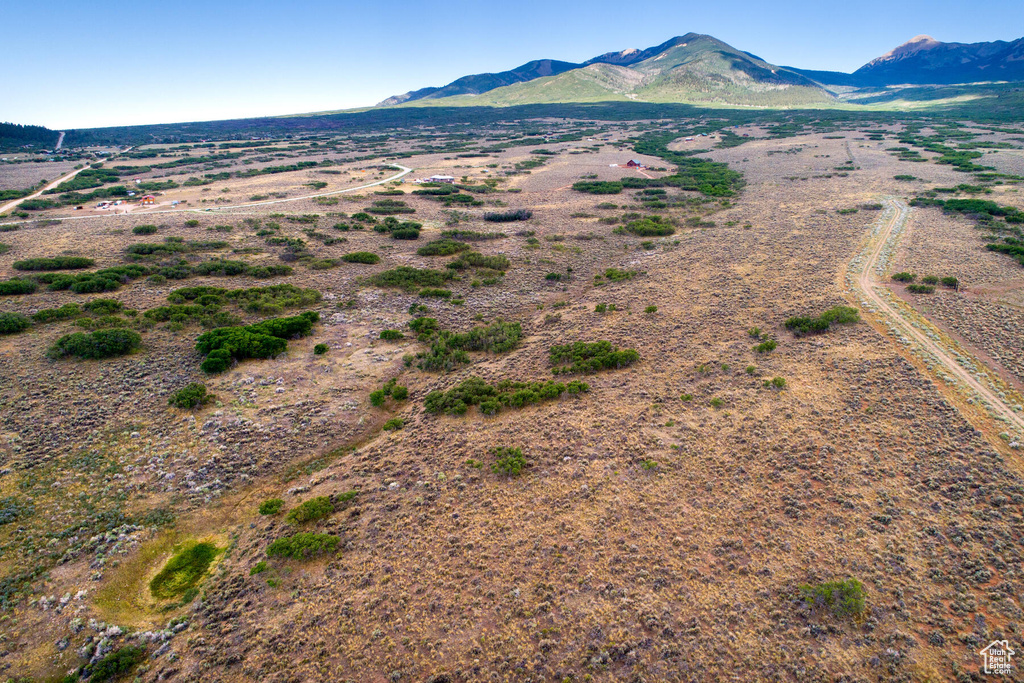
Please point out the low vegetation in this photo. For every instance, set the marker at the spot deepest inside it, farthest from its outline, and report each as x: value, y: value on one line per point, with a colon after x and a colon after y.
x: 56, y: 263
x: 261, y: 340
x: 588, y: 358
x: 508, y: 461
x: 843, y: 598
x: 411, y: 279
x: 191, y: 396
x: 95, y: 345
x: 183, y: 571
x: 303, y: 545
x: 491, y: 398
x: 838, y: 315
x: 311, y: 510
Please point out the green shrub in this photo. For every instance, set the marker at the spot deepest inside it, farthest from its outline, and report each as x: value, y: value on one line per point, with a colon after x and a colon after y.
x: 259, y: 568
x: 651, y: 226
x: 766, y: 346
x: 951, y: 282
x: 616, y: 275
x: 271, y: 506
x: 921, y: 289
x: 588, y: 358
x: 16, y: 286
x: 508, y: 461
x: 321, y: 349
x: 686, y: 398
x: 930, y: 280
x: 144, y: 230
x: 904, y: 277
x: 65, y: 312
x: 377, y: 398
x: 716, y: 403
x: 367, y: 257
x: 391, y: 335
x: 833, y: 316
x: 190, y: 396
x: 117, y: 663
x: 442, y: 247
x: 56, y: 263
x: 12, y: 323
x: 394, y: 424
x: 843, y: 598
x: 472, y: 236
x: 600, y: 308
x: 448, y: 350
x: 103, y: 306
x: 260, y: 340
x: 777, y: 382
x: 183, y: 571
x: 310, y: 510
x: 472, y: 259
x: 492, y: 398
x: 651, y: 309
x: 598, y: 187
x: 508, y: 216
x: 303, y: 545
x: 409, y: 278
x: 98, y: 344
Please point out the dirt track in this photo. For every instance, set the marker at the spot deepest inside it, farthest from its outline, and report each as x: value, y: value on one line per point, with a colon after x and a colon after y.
x: 867, y: 285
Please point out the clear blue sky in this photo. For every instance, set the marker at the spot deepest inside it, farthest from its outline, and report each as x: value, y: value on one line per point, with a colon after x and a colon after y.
x: 83, y: 64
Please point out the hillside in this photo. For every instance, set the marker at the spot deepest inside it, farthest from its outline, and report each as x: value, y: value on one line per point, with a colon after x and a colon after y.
x: 687, y: 69
x: 926, y: 60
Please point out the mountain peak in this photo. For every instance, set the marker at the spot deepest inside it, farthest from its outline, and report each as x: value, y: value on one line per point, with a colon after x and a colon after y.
x: 911, y: 47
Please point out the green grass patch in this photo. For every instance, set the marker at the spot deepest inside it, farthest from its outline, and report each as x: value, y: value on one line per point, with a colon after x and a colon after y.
x: 183, y: 571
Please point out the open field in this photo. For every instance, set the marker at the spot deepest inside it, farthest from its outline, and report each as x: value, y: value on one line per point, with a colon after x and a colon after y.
x: 665, y: 519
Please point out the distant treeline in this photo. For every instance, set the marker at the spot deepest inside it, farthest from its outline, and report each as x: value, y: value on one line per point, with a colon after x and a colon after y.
x: 404, y: 117
x: 14, y: 136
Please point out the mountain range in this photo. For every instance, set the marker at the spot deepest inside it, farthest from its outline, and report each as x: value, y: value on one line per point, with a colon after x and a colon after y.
x: 697, y: 68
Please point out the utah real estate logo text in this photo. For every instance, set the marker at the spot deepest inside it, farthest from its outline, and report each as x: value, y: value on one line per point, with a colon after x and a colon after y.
x: 997, y: 657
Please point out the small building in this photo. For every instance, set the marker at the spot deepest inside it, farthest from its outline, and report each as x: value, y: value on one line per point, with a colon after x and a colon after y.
x: 633, y: 163
x: 448, y: 179
x: 148, y: 200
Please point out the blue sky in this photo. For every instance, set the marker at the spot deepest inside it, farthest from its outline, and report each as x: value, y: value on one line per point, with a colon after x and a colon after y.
x: 89, y: 63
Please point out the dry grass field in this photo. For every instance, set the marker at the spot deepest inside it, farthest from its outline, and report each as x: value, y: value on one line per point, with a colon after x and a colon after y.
x: 665, y: 521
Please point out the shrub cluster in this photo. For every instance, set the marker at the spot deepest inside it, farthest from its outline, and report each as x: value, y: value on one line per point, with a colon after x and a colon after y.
x: 448, y: 350
x: 492, y: 398
x: 261, y: 340
x: 190, y: 396
x: 105, y: 280
x: 268, y: 300
x: 399, y: 230
x: 271, y: 506
x: 97, y: 344
x: 367, y: 257
x: 473, y: 259
x: 410, y: 279
x: 508, y: 216
x: 391, y: 335
x: 508, y: 461
x: 389, y: 207
x: 843, y: 598
x: 472, y: 236
x: 588, y: 358
x: 833, y: 316
x: 144, y: 230
x: 442, y: 247
x: 12, y: 323
x: 303, y: 545
x: 650, y: 226
x: 310, y: 510
x: 55, y: 263
x: 598, y: 186
x: 17, y: 286
x: 921, y: 289
x: 391, y: 389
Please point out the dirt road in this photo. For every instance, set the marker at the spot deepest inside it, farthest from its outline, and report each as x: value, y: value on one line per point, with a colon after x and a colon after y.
x: 867, y: 283
x: 140, y: 210
x: 10, y: 205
